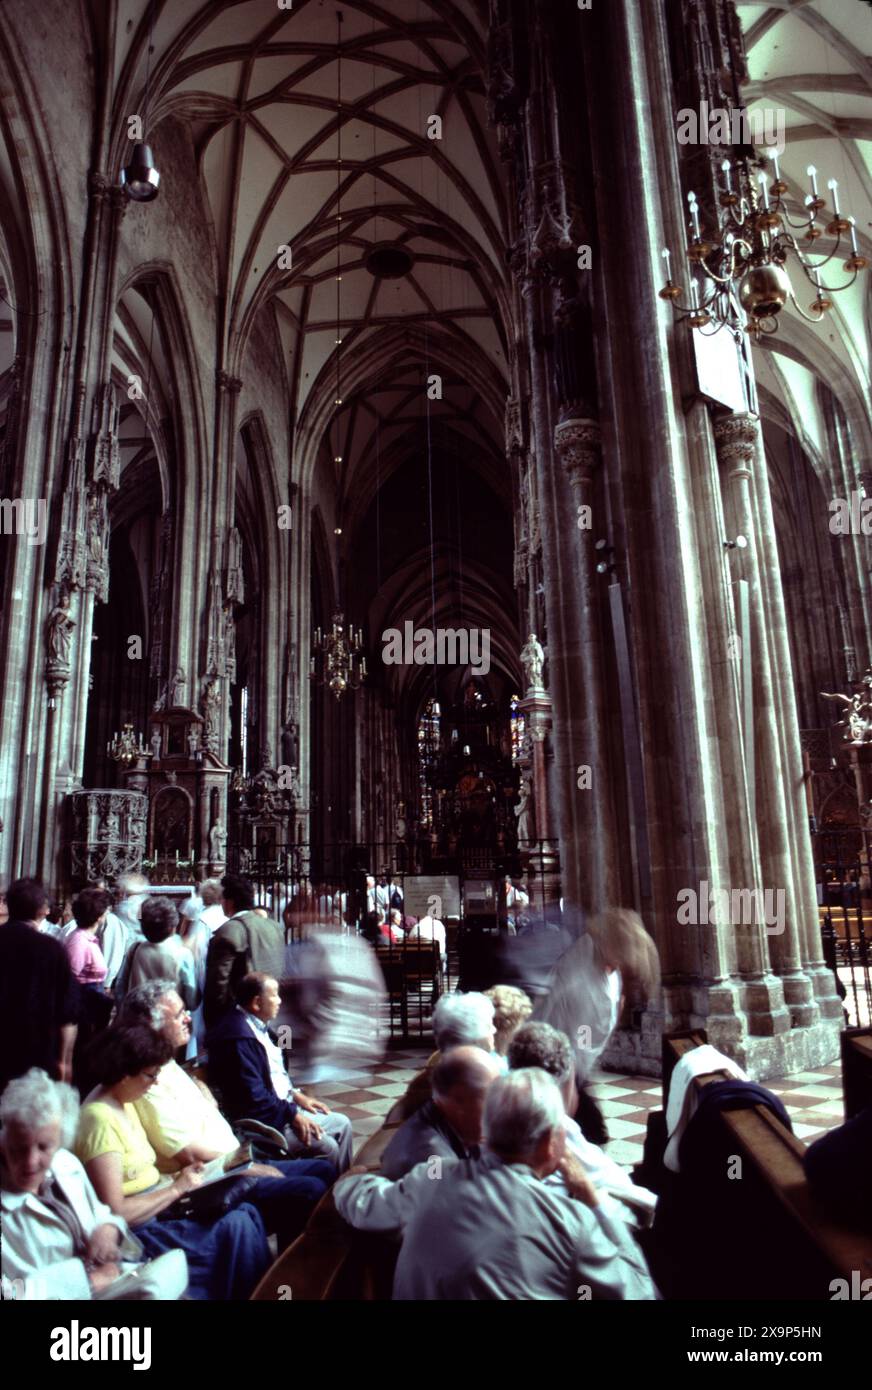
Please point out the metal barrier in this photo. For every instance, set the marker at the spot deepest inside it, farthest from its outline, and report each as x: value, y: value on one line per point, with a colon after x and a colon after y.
x: 843, y: 856
x: 300, y: 884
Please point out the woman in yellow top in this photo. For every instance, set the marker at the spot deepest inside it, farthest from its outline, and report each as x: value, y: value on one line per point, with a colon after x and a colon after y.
x: 227, y: 1256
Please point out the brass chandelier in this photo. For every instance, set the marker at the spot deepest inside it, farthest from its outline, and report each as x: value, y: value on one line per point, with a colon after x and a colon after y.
x: 126, y: 748
x: 341, y: 667
x: 742, y: 262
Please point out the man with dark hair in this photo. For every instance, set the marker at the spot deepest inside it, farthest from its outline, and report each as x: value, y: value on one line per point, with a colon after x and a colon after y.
x: 246, y: 942
x: 247, y: 1066
x: 38, y: 995
x: 28, y: 901
x: 161, y: 956
x: 449, y: 1124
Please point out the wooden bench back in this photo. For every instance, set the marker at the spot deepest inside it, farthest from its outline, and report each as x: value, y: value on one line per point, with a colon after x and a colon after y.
x: 856, y: 1070
x: 329, y: 1260
x: 774, y: 1159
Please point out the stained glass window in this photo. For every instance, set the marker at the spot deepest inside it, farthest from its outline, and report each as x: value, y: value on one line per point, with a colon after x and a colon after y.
x: 518, y: 728
x: 428, y: 749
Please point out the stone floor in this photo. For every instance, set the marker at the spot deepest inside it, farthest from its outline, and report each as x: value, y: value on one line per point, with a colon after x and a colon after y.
x: 813, y: 1099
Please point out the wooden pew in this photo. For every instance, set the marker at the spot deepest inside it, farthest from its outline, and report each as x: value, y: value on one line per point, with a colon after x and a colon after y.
x: 856, y: 1070
x: 781, y: 1243
x: 330, y: 1261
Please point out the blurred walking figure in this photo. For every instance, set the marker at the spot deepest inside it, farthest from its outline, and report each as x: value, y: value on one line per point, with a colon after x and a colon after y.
x: 587, y: 989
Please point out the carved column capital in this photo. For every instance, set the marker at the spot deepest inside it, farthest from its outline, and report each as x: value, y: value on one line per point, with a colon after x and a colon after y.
x: 232, y: 385
x: 736, y: 438
x: 578, y: 443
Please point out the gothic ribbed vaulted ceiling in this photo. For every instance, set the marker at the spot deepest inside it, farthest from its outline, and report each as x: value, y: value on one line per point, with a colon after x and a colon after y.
x: 811, y: 59
x: 259, y: 86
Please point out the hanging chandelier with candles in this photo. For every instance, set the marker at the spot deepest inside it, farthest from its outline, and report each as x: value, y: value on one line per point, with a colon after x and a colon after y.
x: 126, y: 748
x: 336, y: 661
x: 742, y: 262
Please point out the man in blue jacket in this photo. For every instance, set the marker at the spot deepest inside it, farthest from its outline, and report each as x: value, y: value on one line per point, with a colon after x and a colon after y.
x: 248, y: 1067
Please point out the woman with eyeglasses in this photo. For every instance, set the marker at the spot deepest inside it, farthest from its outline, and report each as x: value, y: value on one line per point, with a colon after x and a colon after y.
x: 227, y: 1256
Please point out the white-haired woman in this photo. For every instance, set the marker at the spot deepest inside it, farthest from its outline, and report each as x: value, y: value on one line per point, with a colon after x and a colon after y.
x: 195, y: 934
x: 59, y: 1241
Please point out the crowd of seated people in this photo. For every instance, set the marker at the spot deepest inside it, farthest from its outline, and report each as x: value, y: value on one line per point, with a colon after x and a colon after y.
x: 141, y: 1181
x: 134, y: 1182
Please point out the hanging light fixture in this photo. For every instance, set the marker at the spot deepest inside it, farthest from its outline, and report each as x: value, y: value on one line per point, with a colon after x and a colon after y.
x: 742, y: 262
x: 139, y: 177
x: 336, y: 661
x: 126, y: 748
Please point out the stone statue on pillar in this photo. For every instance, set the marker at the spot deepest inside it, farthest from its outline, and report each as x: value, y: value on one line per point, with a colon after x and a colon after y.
x: 59, y: 633
x: 533, y: 660
x: 524, y: 812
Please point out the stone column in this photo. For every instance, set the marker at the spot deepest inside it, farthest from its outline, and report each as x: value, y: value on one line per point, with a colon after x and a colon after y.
x: 735, y: 441
x: 789, y: 827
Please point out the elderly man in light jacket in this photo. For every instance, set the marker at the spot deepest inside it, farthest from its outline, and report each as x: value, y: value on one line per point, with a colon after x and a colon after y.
x: 491, y: 1228
x: 58, y: 1240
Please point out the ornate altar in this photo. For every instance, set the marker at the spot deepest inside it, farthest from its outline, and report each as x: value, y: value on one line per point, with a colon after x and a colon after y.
x: 108, y: 833
x: 186, y: 783
x: 263, y: 816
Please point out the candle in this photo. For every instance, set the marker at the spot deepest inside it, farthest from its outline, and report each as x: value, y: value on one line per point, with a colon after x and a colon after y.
x: 812, y: 171
x: 834, y: 189
x: 773, y: 155
x: 694, y: 213
x: 694, y: 295
x: 853, y: 235
x: 728, y: 173
x: 764, y: 189
x: 668, y: 259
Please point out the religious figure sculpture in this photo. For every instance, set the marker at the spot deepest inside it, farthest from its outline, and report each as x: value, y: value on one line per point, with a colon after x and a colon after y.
x: 217, y: 841
x: 858, y: 717
x: 533, y: 659
x: 235, y: 581
x: 193, y: 742
x: 524, y: 811
x: 95, y: 539
x: 60, y: 631
x: 212, y: 712
x: 177, y: 686
x: 155, y: 742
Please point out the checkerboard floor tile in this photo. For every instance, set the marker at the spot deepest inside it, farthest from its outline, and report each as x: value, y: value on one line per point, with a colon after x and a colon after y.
x: 813, y: 1100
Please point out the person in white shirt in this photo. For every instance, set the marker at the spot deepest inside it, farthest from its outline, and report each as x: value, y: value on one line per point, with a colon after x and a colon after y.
x: 59, y: 1241
x: 429, y: 928
x: 134, y: 891
x: 492, y: 1228
x: 213, y: 913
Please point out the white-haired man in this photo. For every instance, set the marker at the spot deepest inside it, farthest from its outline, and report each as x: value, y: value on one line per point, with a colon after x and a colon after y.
x: 464, y: 1020
x: 459, y: 1020
x: 490, y: 1228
